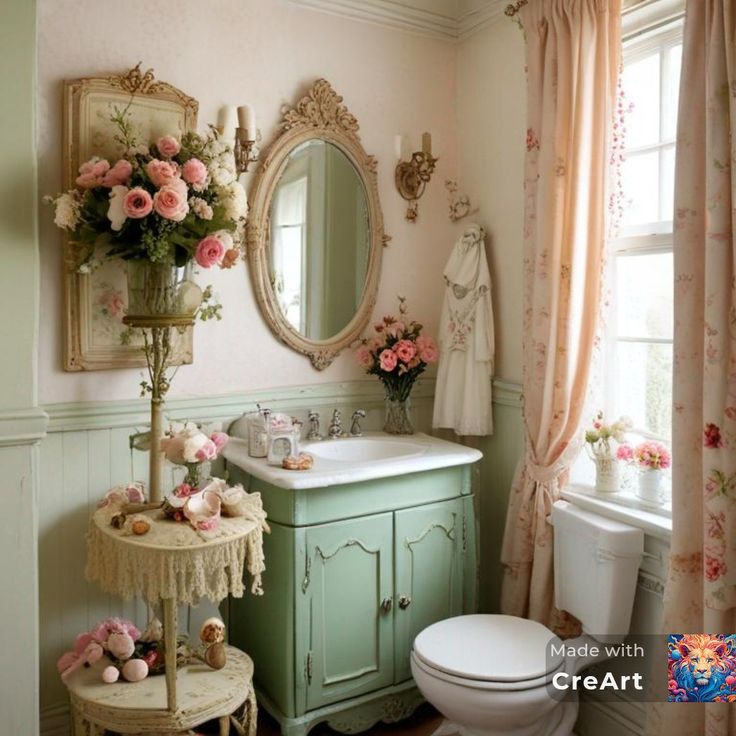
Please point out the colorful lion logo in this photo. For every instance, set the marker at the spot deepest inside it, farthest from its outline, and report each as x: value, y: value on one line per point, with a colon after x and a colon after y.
x: 702, y: 668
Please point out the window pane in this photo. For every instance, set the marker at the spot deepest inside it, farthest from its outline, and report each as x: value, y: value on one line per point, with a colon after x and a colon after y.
x: 671, y: 92
x: 667, y: 197
x: 640, y: 181
x: 644, y: 295
x: 644, y: 385
x: 640, y: 81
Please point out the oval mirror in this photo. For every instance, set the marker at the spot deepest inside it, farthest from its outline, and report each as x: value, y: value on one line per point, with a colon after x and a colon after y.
x: 315, y: 229
x: 319, y: 240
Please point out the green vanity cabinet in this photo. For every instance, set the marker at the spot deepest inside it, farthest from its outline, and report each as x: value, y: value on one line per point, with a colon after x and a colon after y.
x: 354, y: 572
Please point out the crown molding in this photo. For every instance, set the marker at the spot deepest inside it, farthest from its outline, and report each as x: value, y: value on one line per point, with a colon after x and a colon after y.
x: 394, y: 14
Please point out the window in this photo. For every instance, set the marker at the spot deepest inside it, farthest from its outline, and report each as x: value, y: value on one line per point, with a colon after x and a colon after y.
x: 639, y: 339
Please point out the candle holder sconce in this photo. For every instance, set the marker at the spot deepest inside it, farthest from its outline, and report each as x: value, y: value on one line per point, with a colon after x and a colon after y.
x: 245, y: 150
x: 413, y: 176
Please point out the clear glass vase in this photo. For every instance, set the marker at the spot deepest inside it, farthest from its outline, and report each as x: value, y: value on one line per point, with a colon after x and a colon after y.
x: 161, y: 292
x: 398, y: 416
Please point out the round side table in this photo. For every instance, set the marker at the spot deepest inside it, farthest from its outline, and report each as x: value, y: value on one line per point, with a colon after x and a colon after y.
x: 140, y: 707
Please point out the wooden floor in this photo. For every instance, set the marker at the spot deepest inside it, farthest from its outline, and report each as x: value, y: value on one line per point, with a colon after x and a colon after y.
x: 424, y: 722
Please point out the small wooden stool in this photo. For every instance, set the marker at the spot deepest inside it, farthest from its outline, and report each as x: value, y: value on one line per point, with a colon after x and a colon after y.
x: 140, y: 707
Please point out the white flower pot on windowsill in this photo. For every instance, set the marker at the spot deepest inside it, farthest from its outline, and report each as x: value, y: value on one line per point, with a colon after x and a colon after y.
x: 607, y: 478
x: 650, y: 486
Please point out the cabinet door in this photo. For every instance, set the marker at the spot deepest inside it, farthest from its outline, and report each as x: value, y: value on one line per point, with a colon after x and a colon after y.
x: 429, y: 572
x: 347, y: 602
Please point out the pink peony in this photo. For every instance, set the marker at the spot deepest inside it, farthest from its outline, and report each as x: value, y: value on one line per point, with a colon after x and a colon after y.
x: 625, y: 453
x: 652, y: 455
x: 168, y: 146
x: 194, y: 173
x: 184, y: 490
x: 405, y: 350
x: 208, y: 451
x: 220, y: 439
x: 118, y: 174
x: 364, y: 357
x: 210, y: 251
x: 92, y: 173
x: 162, y: 173
x: 170, y: 203
x: 388, y: 360
x: 137, y: 203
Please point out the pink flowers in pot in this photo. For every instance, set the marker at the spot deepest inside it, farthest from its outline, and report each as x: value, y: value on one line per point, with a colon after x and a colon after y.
x: 648, y: 455
x: 398, y: 353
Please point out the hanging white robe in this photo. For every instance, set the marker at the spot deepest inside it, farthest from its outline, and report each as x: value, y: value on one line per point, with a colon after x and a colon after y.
x: 463, y: 393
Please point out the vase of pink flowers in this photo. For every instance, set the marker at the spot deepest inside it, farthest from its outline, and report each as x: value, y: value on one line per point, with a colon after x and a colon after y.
x: 398, y: 354
x: 651, y: 459
x: 162, y: 208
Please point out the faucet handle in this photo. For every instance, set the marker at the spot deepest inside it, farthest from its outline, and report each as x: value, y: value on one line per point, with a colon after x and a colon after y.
x: 355, y: 429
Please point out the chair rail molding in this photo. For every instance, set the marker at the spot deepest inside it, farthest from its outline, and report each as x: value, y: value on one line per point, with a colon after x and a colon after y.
x: 454, y: 21
x: 22, y: 426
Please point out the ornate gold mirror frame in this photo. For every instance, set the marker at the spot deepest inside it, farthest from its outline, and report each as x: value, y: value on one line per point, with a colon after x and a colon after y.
x: 320, y: 115
x: 95, y: 302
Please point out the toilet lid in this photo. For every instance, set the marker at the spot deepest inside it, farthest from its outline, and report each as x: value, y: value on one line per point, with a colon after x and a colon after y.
x: 486, y: 647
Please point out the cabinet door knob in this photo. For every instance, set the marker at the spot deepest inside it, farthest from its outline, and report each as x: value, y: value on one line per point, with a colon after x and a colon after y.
x: 404, y: 602
x: 386, y: 604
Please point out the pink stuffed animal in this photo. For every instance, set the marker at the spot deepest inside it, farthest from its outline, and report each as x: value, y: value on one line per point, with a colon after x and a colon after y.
x: 86, y: 652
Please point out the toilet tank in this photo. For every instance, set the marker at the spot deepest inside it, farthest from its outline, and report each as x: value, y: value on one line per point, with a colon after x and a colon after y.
x: 596, y: 567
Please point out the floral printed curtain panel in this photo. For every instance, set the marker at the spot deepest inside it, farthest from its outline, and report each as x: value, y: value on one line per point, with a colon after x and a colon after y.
x: 573, y: 54
x: 700, y: 596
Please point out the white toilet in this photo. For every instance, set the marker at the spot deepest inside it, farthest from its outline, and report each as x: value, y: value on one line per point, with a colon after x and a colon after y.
x: 489, y: 674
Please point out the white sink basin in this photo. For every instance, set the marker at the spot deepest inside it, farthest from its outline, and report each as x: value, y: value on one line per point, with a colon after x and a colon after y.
x: 365, y: 449
x: 355, y: 459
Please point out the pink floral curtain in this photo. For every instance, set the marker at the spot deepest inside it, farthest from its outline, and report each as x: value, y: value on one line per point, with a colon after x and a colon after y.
x: 572, y: 52
x: 700, y: 596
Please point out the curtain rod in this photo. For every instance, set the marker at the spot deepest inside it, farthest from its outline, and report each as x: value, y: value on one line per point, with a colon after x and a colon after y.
x: 513, y: 8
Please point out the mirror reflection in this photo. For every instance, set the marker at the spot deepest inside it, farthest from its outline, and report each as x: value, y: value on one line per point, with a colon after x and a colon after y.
x: 320, y: 240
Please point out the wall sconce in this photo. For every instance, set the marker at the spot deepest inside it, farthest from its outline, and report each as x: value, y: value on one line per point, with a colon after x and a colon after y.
x: 245, y: 134
x: 413, y: 176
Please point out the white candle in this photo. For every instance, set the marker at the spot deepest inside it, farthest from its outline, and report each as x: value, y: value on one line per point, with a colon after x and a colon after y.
x: 247, y: 120
x: 227, y: 121
x: 427, y: 143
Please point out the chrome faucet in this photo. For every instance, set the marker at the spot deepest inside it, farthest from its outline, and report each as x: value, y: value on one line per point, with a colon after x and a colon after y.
x: 336, y: 430
x: 313, y: 434
x: 355, y: 430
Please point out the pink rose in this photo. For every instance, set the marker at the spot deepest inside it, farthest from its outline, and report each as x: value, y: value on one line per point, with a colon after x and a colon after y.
x: 184, y: 490
x: 168, y: 146
x: 427, y: 348
x: 625, y: 453
x: 137, y: 203
x: 714, y: 568
x: 170, y: 203
x: 162, y: 173
x: 118, y: 174
x: 220, y: 439
x: 194, y: 173
x: 208, y: 451
x: 364, y: 357
x: 405, y: 350
x: 92, y: 173
x: 388, y: 360
x: 210, y: 251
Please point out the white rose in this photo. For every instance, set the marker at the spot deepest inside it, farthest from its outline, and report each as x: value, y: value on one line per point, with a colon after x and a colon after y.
x: 115, y: 212
x: 192, y: 445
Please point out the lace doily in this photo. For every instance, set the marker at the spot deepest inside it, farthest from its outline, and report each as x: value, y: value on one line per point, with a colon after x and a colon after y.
x: 173, y: 561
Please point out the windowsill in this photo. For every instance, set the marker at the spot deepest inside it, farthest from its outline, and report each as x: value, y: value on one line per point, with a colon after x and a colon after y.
x: 623, y: 507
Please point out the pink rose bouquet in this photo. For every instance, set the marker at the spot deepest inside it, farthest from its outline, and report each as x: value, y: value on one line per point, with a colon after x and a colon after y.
x: 651, y: 455
x: 398, y: 353
x: 163, y: 202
